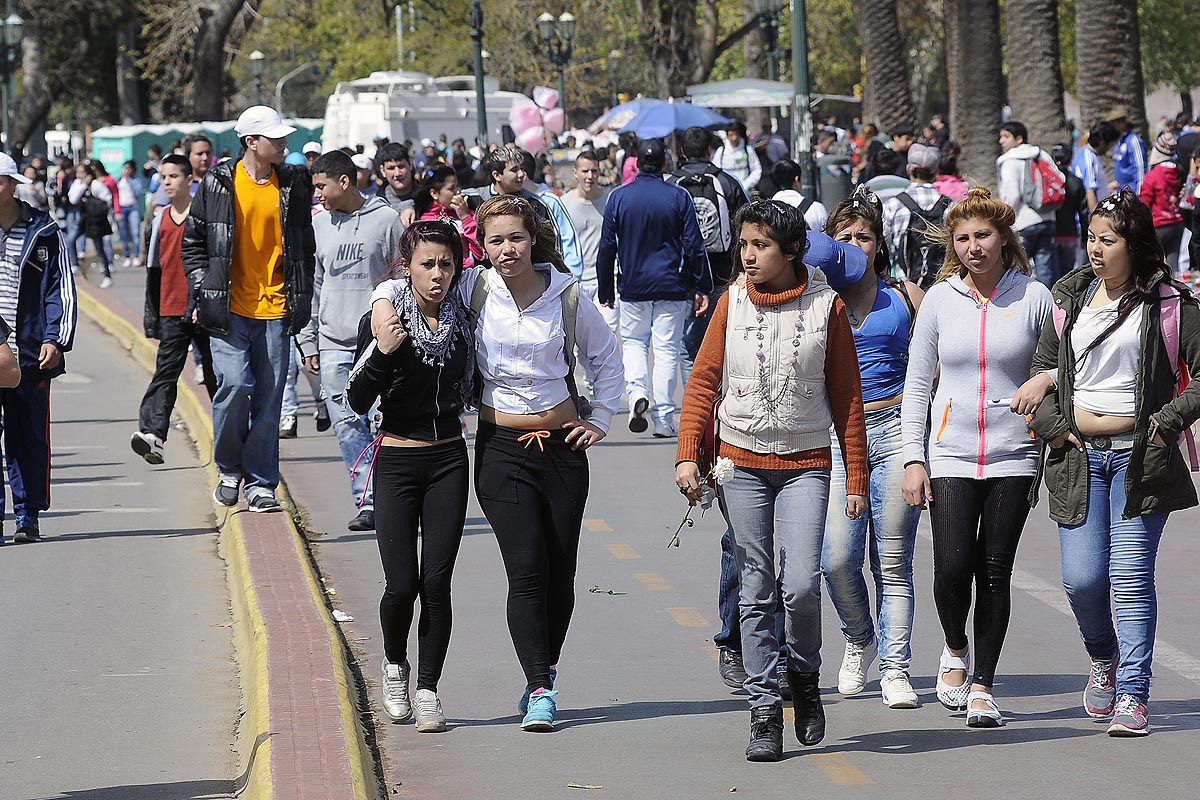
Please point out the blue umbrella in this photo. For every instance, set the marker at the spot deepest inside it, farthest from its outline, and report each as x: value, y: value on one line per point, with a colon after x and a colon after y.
x: 617, y: 116
x: 662, y: 118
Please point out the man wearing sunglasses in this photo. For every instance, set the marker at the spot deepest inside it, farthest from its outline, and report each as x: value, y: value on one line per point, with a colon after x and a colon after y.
x: 249, y: 254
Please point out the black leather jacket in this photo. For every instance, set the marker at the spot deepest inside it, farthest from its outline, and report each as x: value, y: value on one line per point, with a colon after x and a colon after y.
x: 208, y: 245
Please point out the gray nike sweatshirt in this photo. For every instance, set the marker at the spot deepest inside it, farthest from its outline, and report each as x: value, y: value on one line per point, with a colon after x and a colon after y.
x: 354, y: 252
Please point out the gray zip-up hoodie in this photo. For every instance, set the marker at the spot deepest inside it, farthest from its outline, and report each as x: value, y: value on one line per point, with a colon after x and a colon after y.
x: 354, y: 252
x: 984, y: 347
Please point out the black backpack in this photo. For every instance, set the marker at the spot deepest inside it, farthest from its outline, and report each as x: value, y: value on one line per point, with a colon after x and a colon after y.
x: 95, y: 216
x: 712, y: 209
x: 921, y: 257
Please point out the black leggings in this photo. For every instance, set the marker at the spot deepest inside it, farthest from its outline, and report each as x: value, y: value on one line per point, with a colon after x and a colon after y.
x: 425, y: 488
x: 533, y: 493
x: 976, y: 527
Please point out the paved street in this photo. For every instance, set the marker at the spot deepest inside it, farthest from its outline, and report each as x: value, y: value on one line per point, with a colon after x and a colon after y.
x: 643, y: 713
x: 117, y: 650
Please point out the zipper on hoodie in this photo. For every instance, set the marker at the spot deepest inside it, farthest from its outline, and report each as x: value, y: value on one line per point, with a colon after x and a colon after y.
x: 983, y: 304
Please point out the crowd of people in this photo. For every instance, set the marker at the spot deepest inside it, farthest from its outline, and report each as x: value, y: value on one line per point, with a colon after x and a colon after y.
x: 849, y: 361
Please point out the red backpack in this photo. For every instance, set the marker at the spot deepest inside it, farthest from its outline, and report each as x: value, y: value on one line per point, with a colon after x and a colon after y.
x: 1045, y: 187
x: 1168, y: 321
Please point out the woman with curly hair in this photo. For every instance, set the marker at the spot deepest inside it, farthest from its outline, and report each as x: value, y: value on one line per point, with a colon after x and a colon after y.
x: 979, y: 325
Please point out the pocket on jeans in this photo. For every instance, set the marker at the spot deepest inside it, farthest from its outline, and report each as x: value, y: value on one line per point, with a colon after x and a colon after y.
x: 496, y: 477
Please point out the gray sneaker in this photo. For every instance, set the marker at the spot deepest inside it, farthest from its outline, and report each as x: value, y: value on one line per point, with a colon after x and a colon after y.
x: 428, y: 710
x: 263, y: 502
x: 395, y: 691
x: 226, y: 492
x: 1101, y: 693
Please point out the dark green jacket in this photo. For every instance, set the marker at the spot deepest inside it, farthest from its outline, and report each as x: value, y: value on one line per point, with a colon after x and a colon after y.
x: 1157, y: 480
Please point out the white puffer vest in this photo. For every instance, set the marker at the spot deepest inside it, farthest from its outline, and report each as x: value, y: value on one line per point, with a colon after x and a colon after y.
x: 774, y: 398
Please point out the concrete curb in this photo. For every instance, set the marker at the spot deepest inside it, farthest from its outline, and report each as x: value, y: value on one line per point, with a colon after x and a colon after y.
x: 262, y: 772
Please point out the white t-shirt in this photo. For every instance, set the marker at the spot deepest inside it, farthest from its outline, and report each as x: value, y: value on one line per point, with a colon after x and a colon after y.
x: 1106, y: 378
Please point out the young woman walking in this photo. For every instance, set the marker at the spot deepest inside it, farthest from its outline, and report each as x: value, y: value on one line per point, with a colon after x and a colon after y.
x: 881, y: 311
x: 779, y: 355
x: 531, y: 469
x: 979, y: 324
x: 1111, y: 364
x: 419, y: 366
x: 438, y: 196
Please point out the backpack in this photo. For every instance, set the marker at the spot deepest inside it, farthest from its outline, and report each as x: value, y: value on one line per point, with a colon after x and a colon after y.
x: 920, y: 257
x: 1043, y: 187
x: 95, y: 216
x: 712, y: 209
x: 1168, y: 322
x: 570, y: 309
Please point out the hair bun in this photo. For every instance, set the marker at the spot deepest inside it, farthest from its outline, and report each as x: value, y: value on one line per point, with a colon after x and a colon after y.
x: 979, y: 193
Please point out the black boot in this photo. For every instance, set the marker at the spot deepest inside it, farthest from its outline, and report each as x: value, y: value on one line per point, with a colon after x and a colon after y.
x: 733, y: 672
x: 766, y: 734
x: 806, y: 700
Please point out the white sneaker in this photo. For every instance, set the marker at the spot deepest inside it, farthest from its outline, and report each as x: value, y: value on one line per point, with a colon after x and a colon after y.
x: 107, y: 282
x: 665, y: 430
x: 428, y: 709
x: 148, y: 446
x: 128, y: 263
x: 897, y: 691
x: 199, y: 376
x: 852, y: 677
x: 395, y: 691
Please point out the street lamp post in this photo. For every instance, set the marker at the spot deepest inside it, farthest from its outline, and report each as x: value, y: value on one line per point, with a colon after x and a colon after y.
x: 801, y: 110
x: 480, y: 99
x: 559, y: 37
x: 256, y: 69
x: 614, y: 69
x: 13, y: 29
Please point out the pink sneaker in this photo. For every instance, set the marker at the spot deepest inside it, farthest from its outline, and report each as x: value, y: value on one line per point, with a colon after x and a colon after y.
x: 1100, y: 695
x: 1130, y: 718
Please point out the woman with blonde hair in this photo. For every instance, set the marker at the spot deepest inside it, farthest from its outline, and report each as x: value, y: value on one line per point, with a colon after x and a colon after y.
x: 975, y: 467
x: 531, y: 471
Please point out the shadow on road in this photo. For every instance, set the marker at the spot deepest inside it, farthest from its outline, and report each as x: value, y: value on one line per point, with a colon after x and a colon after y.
x: 173, y: 533
x: 621, y: 712
x: 184, y: 790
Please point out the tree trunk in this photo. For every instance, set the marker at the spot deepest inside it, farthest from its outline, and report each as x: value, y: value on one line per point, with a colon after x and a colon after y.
x: 886, y: 97
x: 666, y: 34
x: 976, y: 93
x: 208, y: 59
x: 41, y: 84
x: 1109, y: 55
x: 1035, y: 85
x: 754, y: 54
x: 129, y: 95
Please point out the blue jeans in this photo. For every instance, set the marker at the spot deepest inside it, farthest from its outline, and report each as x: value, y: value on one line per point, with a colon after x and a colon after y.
x: 353, y: 431
x: 128, y: 227
x: 1107, y: 555
x: 730, y: 637
x: 74, y: 235
x: 788, y: 506
x: 251, y: 362
x: 291, y: 402
x: 892, y: 527
x: 1038, y: 241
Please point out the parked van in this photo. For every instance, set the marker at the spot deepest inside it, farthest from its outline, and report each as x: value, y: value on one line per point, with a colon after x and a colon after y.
x: 411, y: 105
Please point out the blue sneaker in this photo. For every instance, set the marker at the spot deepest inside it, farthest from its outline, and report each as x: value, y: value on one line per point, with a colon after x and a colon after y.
x: 523, y: 704
x: 27, y: 530
x: 540, y: 716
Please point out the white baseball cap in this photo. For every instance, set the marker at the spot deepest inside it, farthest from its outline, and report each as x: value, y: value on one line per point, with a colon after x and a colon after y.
x: 311, y: 147
x: 363, y: 161
x: 8, y: 168
x: 262, y: 121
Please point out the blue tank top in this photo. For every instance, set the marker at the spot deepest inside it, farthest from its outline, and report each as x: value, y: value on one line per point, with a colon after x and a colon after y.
x: 882, y: 344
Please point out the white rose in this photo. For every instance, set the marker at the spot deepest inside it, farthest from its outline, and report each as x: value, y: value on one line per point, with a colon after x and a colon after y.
x: 722, y: 471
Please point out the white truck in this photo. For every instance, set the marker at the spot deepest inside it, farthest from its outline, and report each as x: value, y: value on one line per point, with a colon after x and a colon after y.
x: 411, y: 105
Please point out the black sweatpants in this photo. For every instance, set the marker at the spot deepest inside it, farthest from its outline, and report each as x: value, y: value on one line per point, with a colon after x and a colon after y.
x: 533, y: 493
x: 175, y: 333
x: 419, y: 489
x: 976, y: 528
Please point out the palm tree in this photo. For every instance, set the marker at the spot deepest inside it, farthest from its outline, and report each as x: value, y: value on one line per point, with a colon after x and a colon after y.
x: 1035, y: 84
x: 973, y: 61
x: 1108, y: 54
x: 886, y: 96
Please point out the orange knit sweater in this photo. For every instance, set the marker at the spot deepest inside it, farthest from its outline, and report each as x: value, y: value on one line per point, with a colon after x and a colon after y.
x: 842, y: 383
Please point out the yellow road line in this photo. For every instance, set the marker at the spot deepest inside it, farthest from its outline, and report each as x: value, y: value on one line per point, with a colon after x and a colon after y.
x: 622, y: 551
x: 688, y: 617
x: 839, y: 769
x: 597, y: 526
x: 653, y: 581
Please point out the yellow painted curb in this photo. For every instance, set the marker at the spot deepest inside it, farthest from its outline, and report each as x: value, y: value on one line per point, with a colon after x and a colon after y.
x: 250, y: 634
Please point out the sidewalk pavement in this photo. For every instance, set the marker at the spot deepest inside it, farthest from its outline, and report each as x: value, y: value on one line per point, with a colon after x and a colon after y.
x: 117, y: 646
x: 300, y: 737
